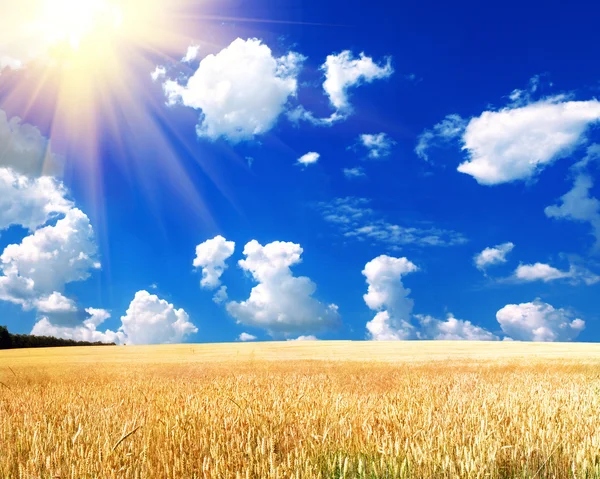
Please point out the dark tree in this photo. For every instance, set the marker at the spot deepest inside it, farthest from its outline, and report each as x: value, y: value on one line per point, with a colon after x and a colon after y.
x: 10, y: 341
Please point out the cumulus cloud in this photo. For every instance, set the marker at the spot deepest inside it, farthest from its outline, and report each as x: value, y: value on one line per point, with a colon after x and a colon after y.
x: 151, y: 320
x: 55, y: 302
x: 356, y: 220
x: 54, y: 255
x: 25, y: 150
x: 516, y: 143
x: 30, y: 202
x: 387, y: 295
x: 350, y: 173
x: 344, y: 72
x: 546, y: 273
x: 281, y: 303
x: 579, y: 205
x: 246, y: 337
x: 378, y: 145
x: 310, y: 158
x: 539, y: 321
x: 241, y: 91
x: 211, y: 256
x: 452, y: 329
x: 493, y: 256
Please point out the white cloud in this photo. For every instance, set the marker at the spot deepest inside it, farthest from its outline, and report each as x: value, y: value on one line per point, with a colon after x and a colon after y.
x: 378, y: 145
x: 241, y: 91
x: 516, y: 143
x: 452, y: 329
x: 191, y: 54
x: 387, y: 295
x: 246, y: 337
x: 281, y: 303
x: 30, y: 202
x: 538, y: 321
x: 53, y: 255
x: 159, y: 73
x: 546, y: 273
x: 344, y: 71
x: 356, y: 220
x: 83, y: 332
x: 221, y: 295
x: 151, y: 320
x: 305, y: 338
x: 56, y: 303
x: 25, y: 150
x: 448, y: 129
x: 350, y: 173
x: 539, y: 272
x: 211, y: 256
x: 579, y: 205
x: 309, y: 159
x: 493, y: 256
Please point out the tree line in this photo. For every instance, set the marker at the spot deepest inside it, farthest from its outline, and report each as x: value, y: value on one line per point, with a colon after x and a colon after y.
x: 13, y: 341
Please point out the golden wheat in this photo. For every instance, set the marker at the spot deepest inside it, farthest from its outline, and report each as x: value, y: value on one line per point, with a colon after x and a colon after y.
x: 185, y: 412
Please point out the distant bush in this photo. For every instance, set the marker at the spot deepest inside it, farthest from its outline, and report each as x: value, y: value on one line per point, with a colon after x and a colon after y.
x: 13, y: 341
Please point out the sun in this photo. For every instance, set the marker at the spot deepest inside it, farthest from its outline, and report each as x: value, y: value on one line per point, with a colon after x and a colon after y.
x: 73, y: 21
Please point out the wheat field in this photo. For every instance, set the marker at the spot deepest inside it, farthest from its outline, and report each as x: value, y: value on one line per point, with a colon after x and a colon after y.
x: 302, y: 410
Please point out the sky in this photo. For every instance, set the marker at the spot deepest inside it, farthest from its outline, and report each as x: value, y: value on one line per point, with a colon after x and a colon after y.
x: 236, y: 171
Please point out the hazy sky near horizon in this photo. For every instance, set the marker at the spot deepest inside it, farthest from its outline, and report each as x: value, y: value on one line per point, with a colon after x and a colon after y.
x: 300, y: 169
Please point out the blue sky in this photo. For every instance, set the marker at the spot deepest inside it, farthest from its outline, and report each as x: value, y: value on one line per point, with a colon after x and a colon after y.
x: 452, y: 193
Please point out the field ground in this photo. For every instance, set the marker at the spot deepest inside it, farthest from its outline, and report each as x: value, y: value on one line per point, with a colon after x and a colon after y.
x: 302, y: 410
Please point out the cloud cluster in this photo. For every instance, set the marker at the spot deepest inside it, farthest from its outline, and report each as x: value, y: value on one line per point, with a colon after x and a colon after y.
x: 356, y: 220
x: 280, y: 303
x: 493, y: 256
x: 387, y: 295
x: 60, y: 249
x: 148, y: 320
x: 241, y: 91
x: 452, y: 329
x: 539, y: 321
